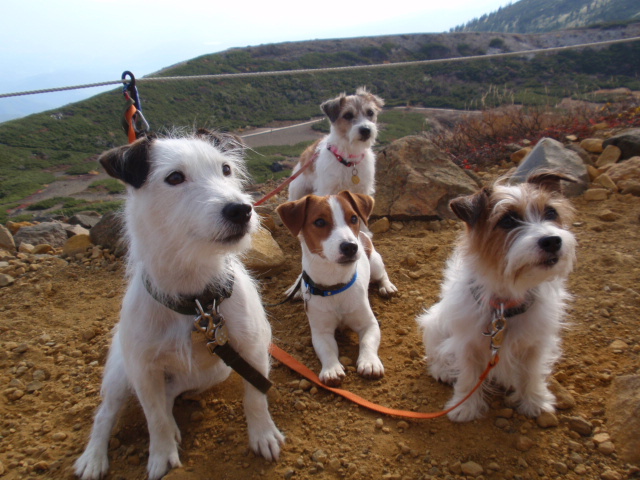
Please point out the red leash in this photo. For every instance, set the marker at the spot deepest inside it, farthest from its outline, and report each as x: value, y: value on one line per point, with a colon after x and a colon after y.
x: 287, y: 181
x: 286, y: 359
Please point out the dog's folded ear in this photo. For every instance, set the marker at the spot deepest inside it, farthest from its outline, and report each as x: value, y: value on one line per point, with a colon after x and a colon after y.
x: 470, y: 208
x: 362, y: 204
x: 225, y: 142
x: 129, y: 163
x: 550, y: 179
x: 293, y: 214
x: 332, y: 108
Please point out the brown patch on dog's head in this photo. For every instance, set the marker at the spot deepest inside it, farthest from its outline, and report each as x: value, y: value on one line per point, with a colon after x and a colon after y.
x: 310, y: 218
x: 361, y: 204
x: 495, y: 216
x: 129, y: 163
x: 345, y: 110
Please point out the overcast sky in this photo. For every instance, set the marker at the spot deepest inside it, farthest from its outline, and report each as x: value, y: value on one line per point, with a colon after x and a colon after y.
x: 55, y: 43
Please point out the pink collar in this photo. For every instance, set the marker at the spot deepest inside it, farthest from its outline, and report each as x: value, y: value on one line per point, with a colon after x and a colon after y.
x: 341, y: 158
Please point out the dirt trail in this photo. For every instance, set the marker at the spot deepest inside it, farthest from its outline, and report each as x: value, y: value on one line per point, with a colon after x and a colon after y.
x: 55, y: 325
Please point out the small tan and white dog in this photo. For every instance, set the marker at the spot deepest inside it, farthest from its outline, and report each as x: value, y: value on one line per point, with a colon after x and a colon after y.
x: 344, y: 159
x: 504, y: 289
x: 338, y: 260
x: 186, y: 220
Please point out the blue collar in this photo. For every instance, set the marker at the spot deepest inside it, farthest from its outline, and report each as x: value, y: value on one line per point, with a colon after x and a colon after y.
x: 326, y: 291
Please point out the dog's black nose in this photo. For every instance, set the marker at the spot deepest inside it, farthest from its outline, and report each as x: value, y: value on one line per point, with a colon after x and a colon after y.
x: 348, y: 249
x: 550, y: 244
x: 365, y: 132
x: 237, y: 212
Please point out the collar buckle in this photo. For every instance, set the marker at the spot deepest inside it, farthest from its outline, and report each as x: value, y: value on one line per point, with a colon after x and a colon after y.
x: 212, y: 325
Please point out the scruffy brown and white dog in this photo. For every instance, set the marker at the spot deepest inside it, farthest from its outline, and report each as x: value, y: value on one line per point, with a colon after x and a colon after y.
x: 508, y: 270
x: 186, y: 220
x: 344, y: 159
x: 338, y: 260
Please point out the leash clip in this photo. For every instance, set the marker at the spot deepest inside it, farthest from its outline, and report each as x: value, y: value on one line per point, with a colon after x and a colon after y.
x: 212, y: 325
x: 498, y: 327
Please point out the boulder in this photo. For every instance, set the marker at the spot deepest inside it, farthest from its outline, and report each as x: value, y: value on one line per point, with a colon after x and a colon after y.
x: 551, y: 154
x: 75, y: 230
x: 6, y: 240
x: 609, y: 156
x: 628, y: 142
x: 52, y: 233
x: 623, y: 417
x: 265, y: 255
x: 416, y: 180
x: 625, y: 173
x: 108, y: 233
x: 592, y: 145
x: 76, y: 244
x: 84, y: 220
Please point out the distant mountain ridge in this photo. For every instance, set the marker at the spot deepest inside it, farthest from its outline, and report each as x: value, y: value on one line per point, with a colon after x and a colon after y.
x: 535, y: 16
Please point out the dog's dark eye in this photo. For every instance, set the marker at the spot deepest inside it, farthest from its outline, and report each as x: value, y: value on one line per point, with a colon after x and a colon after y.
x: 354, y: 219
x: 509, y: 220
x: 369, y: 113
x: 348, y: 116
x: 175, y: 178
x: 550, y: 214
x: 226, y: 170
x: 320, y: 222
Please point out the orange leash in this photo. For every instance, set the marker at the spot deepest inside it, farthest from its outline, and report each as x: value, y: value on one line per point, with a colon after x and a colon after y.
x: 286, y: 359
x: 287, y: 181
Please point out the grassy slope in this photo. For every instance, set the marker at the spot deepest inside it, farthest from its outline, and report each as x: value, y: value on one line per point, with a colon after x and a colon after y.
x: 32, y: 148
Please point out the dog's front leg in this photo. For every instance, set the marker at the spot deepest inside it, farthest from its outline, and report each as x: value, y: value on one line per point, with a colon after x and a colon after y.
x: 323, y: 332
x: 369, y: 364
x: 531, y: 395
x: 149, y: 384
x: 475, y: 406
x: 264, y: 437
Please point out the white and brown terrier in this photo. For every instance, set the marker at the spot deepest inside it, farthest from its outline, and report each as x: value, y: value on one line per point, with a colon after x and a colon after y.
x: 344, y: 159
x: 504, y: 289
x: 338, y: 260
x: 185, y: 196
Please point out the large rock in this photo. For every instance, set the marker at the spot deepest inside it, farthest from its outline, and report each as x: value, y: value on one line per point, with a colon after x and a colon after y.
x: 6, y: 240
x: 108, y: 233
x: 625, y: 173
x: 628, y: 142
x: 623, y: 417
x: 265, y: 256
x: 414, y: 179
x: 551, y: 154
x: 87, y: 219
x: 52, y: 233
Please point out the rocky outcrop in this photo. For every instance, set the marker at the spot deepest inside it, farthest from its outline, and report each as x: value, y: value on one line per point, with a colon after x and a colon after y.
x: 551, y: 154
x: 108, y: 232
x: 623, y: 414
x: 415, y: 180
x: 628, y: 142
x: 52, y: 233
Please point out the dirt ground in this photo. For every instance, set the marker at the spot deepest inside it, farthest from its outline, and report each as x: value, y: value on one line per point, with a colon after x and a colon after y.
x: 55, y: 325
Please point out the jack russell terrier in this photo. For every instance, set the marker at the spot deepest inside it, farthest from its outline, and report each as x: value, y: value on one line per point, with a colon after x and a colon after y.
x: 504, y: 290
x: 186, y: 220
x: 338, y: 260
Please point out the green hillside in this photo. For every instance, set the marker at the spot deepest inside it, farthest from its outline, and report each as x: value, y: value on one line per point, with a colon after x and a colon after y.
x: 66, y: 140
x: 531, y: 16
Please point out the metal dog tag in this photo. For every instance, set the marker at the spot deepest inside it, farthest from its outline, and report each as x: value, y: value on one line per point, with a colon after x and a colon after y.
x: 355, y: 179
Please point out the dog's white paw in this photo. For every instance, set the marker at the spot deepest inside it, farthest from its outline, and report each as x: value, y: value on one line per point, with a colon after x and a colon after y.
x: 387, y: 289
x: 534, y: 405
x: 162, y: 459
x: 370, y: 368
x: 332, y: 376
x: 475, y: 407
x: 266, y: 441
x: 92, y: 465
